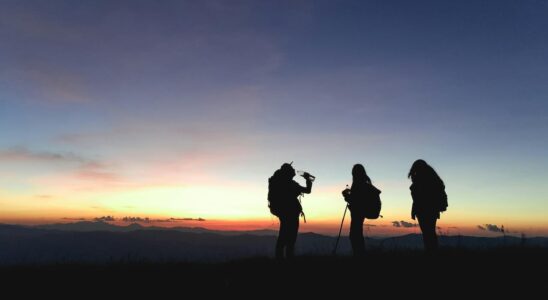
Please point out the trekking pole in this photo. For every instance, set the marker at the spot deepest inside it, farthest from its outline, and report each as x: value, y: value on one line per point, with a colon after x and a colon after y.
x: 340, y: 230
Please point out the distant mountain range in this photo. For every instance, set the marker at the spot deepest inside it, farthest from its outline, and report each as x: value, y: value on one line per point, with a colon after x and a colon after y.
x: 86, y: 226
x: 101, y: 242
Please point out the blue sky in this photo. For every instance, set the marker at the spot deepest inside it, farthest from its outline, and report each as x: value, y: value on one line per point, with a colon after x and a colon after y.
x: 217, y: 94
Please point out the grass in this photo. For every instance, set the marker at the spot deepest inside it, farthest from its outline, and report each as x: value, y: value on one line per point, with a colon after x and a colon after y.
x: 503, y: 268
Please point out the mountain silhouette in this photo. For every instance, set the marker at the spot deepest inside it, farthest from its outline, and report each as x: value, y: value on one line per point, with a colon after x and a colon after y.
x: 99, y: 242
x: 85, y: 226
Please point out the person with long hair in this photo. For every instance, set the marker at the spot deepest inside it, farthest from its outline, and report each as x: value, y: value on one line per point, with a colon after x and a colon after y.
x: 429, y: 199
x: 357, y: 196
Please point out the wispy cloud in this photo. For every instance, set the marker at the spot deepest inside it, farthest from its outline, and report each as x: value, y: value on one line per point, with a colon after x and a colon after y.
x: 136, y: 219
x: 105, y: 219
x: 23, y: 154
x: 63, y: 168
x: 158, y: 152
x: 97, y: 172
x: 404, y: 224
x: 491, y: 228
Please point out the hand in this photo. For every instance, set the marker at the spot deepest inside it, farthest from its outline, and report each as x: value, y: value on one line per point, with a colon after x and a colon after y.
x: 413, y: 215
x: 346, y: 193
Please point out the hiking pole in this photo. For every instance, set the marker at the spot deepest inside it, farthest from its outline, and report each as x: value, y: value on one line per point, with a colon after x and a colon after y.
x: 340, y: 230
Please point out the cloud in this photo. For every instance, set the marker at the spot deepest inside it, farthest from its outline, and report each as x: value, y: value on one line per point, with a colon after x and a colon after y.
x: 136, y: 219
x: 97, y: 172
x: 491, y: 228
x: 105, y: 219
x: 63, y: 169
x: 23, y: 154
x: 158, y: 152
x: 148, y: 220
x: 408, y: 225
x: 74, y: 219
x: 403, y: 224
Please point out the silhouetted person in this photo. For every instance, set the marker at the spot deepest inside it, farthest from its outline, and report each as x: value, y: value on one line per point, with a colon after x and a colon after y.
x: 358, y: 196
x: 429, y: 199
x: 284, y: 203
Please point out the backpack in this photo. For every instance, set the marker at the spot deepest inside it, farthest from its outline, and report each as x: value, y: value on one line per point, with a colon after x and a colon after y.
x: 443, y: 201
x: 372, y: 207
x: 274, y: 195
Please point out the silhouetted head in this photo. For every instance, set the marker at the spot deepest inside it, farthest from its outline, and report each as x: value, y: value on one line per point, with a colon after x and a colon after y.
x: 287, y: 171
x: 359, y: 174
x: 422, y: 172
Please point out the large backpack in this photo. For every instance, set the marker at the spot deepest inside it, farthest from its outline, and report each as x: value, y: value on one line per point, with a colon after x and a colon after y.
x: 274, y: 195
x: 443, y: 204
x: 372, y: 207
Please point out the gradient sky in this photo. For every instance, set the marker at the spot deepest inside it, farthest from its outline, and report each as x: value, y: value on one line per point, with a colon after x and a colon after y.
x: 183, y: 109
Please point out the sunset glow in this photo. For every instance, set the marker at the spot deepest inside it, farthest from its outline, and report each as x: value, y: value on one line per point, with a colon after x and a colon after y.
x: 184, y: 110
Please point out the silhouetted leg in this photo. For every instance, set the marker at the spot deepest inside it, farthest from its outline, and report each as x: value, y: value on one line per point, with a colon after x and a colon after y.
x: 293, y: 230
x: 427, y: 224
x: 424, y: 223
x: 281, y: 243
x: 356, y: 234
x: 434, y: 245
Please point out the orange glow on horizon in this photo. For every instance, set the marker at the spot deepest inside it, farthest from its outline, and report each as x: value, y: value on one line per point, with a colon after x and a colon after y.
x: 328, y: 227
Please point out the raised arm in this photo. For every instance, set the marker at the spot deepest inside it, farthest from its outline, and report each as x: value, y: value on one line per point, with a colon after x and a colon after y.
x: 306, y: 189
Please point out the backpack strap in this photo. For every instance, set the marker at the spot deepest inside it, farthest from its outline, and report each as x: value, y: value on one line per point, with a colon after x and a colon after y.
x: 302, y: 210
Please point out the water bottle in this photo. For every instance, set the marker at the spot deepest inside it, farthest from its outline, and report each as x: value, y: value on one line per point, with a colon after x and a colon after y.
x: 306, y: 175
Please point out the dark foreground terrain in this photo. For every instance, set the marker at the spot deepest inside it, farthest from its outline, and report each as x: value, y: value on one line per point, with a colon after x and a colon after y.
x: 450, y: 273
x: 100, y: 260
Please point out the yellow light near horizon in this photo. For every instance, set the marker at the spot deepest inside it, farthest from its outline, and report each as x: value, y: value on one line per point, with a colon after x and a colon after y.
x: 193, y: 201
x: 229, y: 205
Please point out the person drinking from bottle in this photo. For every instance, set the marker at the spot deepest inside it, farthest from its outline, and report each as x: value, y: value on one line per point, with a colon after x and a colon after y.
x: 283, y: 193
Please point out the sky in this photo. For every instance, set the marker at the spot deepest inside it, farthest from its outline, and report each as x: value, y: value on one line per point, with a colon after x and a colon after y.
x: 183, y: 109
